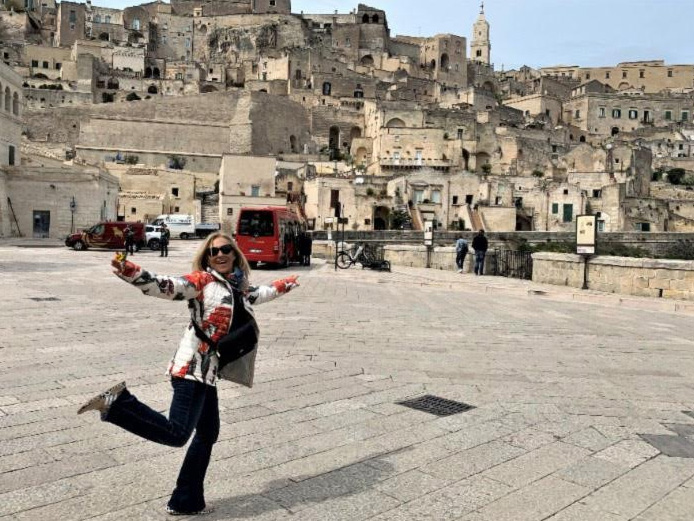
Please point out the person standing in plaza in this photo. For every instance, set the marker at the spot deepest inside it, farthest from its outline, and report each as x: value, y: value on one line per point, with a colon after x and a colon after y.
x: 480, y: 245
x: 129, y: 240
x: 165, y: 235
x: 461, y: 249
x: 219, y: 342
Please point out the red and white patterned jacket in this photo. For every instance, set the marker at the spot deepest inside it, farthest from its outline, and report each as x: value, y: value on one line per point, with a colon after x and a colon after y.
x: 213, y: 307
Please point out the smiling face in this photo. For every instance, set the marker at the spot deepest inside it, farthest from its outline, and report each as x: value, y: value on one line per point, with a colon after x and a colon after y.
x: 222, y: 262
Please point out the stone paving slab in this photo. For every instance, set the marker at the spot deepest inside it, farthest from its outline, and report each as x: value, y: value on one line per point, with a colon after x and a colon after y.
x: 573, y: 391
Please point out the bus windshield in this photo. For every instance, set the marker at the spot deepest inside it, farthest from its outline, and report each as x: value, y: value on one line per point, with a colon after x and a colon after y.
x: 256, y: 224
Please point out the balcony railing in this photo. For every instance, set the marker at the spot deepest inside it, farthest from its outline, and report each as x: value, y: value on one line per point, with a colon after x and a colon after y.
x: 415, y: 163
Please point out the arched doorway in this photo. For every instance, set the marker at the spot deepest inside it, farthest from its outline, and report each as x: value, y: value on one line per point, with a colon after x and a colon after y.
x: 582, y: 139
x: 152, y: 89
x: 354, y: 134
x: 488, y: 86
x: 365, y: 19
x: 432, y: 64
x: 375, y: 19
x: 466, y: 159
x: 334, y: 142
x: 156, y: 73
x: 482, y: 158
x: 292, y: 144
x: 104, y: 37
x: 148, y: 72
x: 445, y: 62
x: 360, y: 157
x: 381, y: 217
x: 327, y: 88
x: 615, y: 131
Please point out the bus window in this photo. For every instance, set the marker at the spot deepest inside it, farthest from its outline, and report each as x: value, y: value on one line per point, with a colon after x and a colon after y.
x: 256, y: 224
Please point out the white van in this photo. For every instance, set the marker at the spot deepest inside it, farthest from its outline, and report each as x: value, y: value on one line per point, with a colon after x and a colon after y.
x: 180, y: 225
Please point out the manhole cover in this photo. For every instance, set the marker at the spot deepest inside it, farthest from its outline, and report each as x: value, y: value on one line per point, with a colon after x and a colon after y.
x: 436, y: 405
x: 44, y: 299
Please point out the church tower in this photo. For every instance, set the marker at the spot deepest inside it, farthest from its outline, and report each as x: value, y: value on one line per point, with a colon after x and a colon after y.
x: 480, y: 46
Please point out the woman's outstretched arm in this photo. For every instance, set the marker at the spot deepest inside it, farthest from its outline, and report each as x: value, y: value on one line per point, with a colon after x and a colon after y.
x: 262, y: 294
x: 170, y: 288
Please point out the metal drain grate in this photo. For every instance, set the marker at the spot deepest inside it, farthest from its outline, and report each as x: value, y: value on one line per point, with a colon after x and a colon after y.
x: 45, y: 299
x: 436, y: 405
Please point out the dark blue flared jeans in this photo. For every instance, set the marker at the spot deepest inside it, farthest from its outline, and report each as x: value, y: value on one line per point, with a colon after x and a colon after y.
x: 194, y: 407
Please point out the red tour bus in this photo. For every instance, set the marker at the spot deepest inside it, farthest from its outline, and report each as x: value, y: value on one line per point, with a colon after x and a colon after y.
x: 269, y: 234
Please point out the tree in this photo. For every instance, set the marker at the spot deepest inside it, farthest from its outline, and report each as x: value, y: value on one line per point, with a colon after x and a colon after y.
x: 676, y: 175
x: 177, y: 162
x: 486, y: 168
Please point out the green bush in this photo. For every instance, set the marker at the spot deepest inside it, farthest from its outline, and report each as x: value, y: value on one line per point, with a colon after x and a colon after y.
x: 130, y: 160
x: 676, y: 175
x: 682, y: 250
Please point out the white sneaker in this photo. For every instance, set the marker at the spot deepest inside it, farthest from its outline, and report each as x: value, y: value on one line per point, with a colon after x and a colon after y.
x: 460, y: 271
x: 103, y: 401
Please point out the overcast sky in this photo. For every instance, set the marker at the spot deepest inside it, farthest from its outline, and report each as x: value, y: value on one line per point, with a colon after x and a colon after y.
x: 540, y: 32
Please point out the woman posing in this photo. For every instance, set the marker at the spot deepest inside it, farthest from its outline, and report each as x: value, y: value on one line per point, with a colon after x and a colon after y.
x: 220, y: 341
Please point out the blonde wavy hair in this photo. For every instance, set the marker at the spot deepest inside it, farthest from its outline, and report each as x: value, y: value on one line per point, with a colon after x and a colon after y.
x: 201, y: 261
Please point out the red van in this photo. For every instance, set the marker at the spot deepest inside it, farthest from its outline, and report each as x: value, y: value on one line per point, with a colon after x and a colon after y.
x: 106, y: 235
x: 270, y: 234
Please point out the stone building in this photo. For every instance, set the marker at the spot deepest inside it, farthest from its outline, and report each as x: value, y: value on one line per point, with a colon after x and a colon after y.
x: 650, y: 77
x: 70, y: 23
x: 11, y: 108
x: 480, y: 45
x: 608, y: 114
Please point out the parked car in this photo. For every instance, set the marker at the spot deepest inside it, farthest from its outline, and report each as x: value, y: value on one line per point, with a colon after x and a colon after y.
x: 153, y: 236
x: 106, y: 235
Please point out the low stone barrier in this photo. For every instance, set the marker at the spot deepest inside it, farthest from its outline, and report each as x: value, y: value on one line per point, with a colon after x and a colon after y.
x: 628, y: 276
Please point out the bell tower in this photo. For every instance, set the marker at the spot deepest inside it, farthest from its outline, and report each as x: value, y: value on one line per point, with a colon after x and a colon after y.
x: 480, y: 46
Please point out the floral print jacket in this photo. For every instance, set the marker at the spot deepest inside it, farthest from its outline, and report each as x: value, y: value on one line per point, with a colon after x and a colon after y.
x: 212, y: 307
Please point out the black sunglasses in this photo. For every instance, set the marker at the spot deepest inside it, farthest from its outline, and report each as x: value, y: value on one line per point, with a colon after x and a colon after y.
x: 226, y: 250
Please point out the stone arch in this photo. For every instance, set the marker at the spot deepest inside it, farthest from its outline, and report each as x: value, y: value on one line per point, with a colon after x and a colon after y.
x: 8, y: 99
x: 582, y: 139
x: 367, y: 61
x: 615, y: 131
x: 297, y: 74
x: 395, y: 123
x: 375, y: 19
x: 292, y: 144
x: 152, y: 89
x: 354, y: 133
x: 488, y: 85
x: 624, y: 85
x: 432, y: 63
x: 156, y: 73
x: 445, y: 62
x: 208, y: 88
x: 365, y: 19
x: 381, y: 217
x: 361, y: 156
x: 203, y: 29
x: 113, y: 83
x: 327, y: 88
x: 148, y: 72
x: 482, y: 158
x: 104, y: 37
x: 15, y: 104
x: 263, y: 90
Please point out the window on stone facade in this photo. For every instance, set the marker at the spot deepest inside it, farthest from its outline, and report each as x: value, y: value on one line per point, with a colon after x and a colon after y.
x: 436, y: 196
x: 624, y: 74
x: 11, y: 157
x: 255, y: 191
x: 643, y: 227
x: 633, y: 114
x: 669, y: 74
x: 668, y: 115
x: 616, y: 113
x: 455, y: 200
x: 15, y: 104
x: 607, y: 75
x: 685, y: 115
x: 566, y: 191
x: 577, y: 114
x: 555, y: 208
x: 107, y: 19
x: 469, y: 198
x: 174, y: 191
x: 34, y: 63
x: 334, y: 198
x: 72, y: 18
x: 97, y: 18
x: 136, y: 24
x: 568, y: 214
x: 230, y: 211
x: 273, y: 3
x: 58, y: 66
x: 597, y: 193
x: 642, y: 74
x: 327, y: 88
x: 133, y: 210
x: 588, y: 76
x: 460, y: 133
x: 348, y: 42
x: 44, y: 65
x: 187, y: 43
x: 601, y: 112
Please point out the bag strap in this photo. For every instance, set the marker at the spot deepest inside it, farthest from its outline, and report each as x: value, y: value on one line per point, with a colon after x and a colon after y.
x: 198, y: 330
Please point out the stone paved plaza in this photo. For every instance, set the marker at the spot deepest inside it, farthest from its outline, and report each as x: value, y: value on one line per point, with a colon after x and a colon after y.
x: 573, y: 391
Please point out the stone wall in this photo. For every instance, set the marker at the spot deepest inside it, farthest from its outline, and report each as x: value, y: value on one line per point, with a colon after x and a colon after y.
x: 642, y: 277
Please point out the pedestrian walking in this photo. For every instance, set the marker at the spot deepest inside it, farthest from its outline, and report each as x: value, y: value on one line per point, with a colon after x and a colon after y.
x: 129, y: 240
x: 480, y: 245
x: 220, y: 342
x: 305, y: 248
x: 461, y: 249
x: 164, y: 237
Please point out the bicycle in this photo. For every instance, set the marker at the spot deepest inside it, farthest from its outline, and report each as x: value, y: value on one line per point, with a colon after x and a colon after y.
x: 345, y: 259
x: 363, y: 256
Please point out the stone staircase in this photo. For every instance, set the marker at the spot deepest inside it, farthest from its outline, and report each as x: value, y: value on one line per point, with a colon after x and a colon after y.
x: 209, y: 208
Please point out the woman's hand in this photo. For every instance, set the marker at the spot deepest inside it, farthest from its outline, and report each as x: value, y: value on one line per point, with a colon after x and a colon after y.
x: 117, y: 264
x: 287, y: 284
